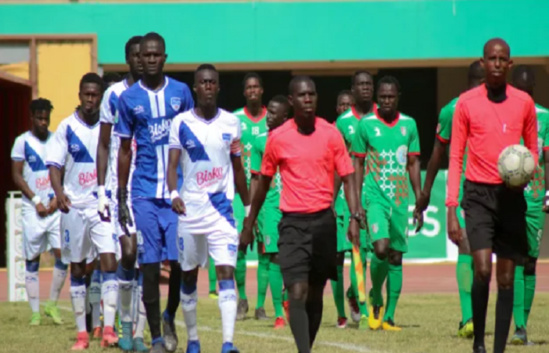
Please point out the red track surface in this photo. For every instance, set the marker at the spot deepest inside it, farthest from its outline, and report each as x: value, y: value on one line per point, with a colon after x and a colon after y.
x: 439, y: 278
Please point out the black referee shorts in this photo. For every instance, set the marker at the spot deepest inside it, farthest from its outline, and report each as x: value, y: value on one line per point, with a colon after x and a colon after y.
x: 307, y: 247
x: 495, y: 218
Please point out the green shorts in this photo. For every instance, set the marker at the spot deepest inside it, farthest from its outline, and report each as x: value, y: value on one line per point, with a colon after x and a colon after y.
x: 238, y: 212
x: 268, y: 229
x: 388, y: 222
x: 535, y: 219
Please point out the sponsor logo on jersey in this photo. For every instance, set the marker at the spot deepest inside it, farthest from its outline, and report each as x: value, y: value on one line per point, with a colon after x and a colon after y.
x: 74, y: 148
x: 138, y: 109
x: 87, y: 179
x: 159, y: 130
x: 175, y: 102
x: 32, y: 159
x: 209, y: 177
x: 190, y: 144
x: 42, y: 183
x: 226, y: 137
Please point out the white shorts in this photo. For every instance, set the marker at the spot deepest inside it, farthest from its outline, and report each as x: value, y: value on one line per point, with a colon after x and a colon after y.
x: 82, y: 231
x: 39, y: 232
x: 221, y: 244
x: 113, y: 207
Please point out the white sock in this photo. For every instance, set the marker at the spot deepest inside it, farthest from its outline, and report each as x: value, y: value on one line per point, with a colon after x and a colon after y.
x: 135, y: 302
x: 58, y: 280
x: 32, y: 285
x: 95, y: 298
x: 109, y: 294
x: 78, y: 300
x: 141, y: 314
x: 188, y: 304
x: 125, y: 281
x: 227, y: 306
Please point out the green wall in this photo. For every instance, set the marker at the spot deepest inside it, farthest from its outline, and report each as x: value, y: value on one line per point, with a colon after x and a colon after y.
x: 323, y: 31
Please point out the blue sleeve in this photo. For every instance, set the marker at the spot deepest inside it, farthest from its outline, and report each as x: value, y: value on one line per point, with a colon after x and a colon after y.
x: 188, y: 102
x: 124, y: 125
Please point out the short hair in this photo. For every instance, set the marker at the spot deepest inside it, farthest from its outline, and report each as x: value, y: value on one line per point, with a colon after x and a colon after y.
x: 496, y: 40
x: 360, y: 72
x: 40, y: 104
x: 111, y: 77
x: 298, y: 79
x: 153, y: 36
x: 525, y: 74
x: 476, y: 71
x: 204, y: 67
x: 92, y: 77
x: 388, y: 80
x: 250, y: 75
x: 345, y: 92
x: 131, y: 42
x: 279, y: 98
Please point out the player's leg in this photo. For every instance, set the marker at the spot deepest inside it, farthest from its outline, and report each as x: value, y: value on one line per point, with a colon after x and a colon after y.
x: 212, y: 278
x: 263, y: 263
x: 59, y: 270
x: 519, y: 337
x: 141, y: 317
x: 534, y: 241
x: 394, y: 288
x: 276, y: 283
x: 464, y: 276
x: 34, y: 243
x: 94, y: 293
x: 240, y: 270
x: 338, y: 292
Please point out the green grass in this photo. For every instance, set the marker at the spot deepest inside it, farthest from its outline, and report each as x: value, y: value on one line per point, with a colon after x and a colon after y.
x: 429, y: 325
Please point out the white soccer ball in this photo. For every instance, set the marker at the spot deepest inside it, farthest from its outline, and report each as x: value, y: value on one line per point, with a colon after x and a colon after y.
x: 516, y: 165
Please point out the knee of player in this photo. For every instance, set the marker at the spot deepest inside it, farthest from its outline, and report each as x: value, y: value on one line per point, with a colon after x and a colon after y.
x: 395, y: 258
x: 299, y: 291
x: 128, y: 258
x: 505, y: 279
x: 483, y: 273
x: 381, y: 249
x: 189, y: 278
x: 224, y: 272
x: 60, y: 265
x: 79, y: 271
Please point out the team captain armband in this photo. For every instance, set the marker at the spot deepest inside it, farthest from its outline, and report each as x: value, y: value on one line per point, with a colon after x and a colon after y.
x: 235, y: 148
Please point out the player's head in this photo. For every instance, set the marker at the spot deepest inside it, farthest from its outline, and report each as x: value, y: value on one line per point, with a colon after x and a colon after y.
x: 40, y: 116
x: 475, y: 75
x: 91, y: 91
x: 110, y: 78
x: 496, y: 61
x: 206, y: 85
x: 344, y: 101
x: 133, y: 51
x: 278, y: 110
x: 152, y: 54
x: 253, y: 88
x: 388, y: 92
x: 524, y: 79
x: 362, y: 86
x: 303, y: 96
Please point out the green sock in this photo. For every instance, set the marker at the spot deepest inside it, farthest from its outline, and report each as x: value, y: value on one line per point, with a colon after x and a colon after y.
x: 262, y: 278
x: 378, y: 273
x: 337, y: 290
x: 529, y: 291
x: 518, y: 299
x: 394, y: 287
x: 464, y: 275
x: 240, y: 275
x: 212, y: 276
x: 275, y: 280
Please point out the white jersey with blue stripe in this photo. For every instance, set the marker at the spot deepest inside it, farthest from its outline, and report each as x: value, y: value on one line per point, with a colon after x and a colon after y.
x: 109, y: 115
x: 74, y: 146
x: 208, y: 181
x: 146, y: 115
x: 31, y: 150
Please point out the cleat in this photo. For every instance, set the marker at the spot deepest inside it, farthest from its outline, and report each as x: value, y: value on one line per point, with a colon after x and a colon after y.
x: 389, y: 325
x: 353, y: 308
x: 242, y: 309
x: 139, y: 345
x: 35, y: 319
x: 228, y: 347
x: 125, y: 341
x: 213, y: 295
x: 479, y: 349
x: 363, y: 323
x: 97, y: 333
x: 519, y: 338
x: 193, y: 347
x: 170, y: 334
x: 52, y: 311
x: 341, y: 322
x: 376, y: 314
x: 82, y: 341
x: 279, y: 323
x: 466, y: 329
x: 109, y: 338
x: 260, y: 314
x: 158, y: 347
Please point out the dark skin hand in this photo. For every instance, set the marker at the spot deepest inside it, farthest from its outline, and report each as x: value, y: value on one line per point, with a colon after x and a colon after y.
x: 63, y: 202
x: 414, y: 170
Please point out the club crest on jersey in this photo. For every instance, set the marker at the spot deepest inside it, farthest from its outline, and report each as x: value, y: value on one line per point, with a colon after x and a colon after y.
x: 138, y: 109
x: 74, y: 148
x: 232, y: 249
x: 375, y: 228
x: 401, y: 155
x: 175, y: 102
x: 403, y: 130
x: 226, y: 137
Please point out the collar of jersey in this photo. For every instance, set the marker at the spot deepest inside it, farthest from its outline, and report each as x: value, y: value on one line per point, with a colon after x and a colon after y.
x: 166, y: 80
x: 83, y: 122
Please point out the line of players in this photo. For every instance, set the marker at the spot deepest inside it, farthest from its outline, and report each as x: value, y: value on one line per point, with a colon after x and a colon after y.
x: 142, y: 118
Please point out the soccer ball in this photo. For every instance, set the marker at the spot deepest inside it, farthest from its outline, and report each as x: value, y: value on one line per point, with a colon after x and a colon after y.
x: 516, y: 165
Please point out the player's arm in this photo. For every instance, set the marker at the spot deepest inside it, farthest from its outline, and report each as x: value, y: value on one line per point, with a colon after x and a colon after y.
x: 102, y: 160
x: 530, y: 131
x: 124, y: 129
x: 17, y: 176
x: 414, y: 170
x: 178, y: 206
x: 239, y: 172
x: 359, y: 147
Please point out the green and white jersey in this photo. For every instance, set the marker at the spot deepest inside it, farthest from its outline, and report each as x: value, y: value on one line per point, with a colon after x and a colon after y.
x: 535, y: 191
x: 386, y: 148
x: 250, y: 128
x: 272, y: 200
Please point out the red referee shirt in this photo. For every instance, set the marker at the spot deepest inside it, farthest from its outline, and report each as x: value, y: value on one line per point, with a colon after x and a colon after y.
x: 307, y: 164
x: 487, y: 128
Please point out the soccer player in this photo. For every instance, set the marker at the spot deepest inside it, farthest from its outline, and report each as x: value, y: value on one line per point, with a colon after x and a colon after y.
x: 307, y: 151
x: 390, y: 142
x: 525, y: 270
x: 344, y: 101
x: 270, y: 215
x: 362, y: 88
x: 73, y: 148
x: 110, y: 78
x: 146, y: 110
x: 464, y: 267
x: 205, y: 143
x: 39, y: 209
x: 107, y: 156
x: 487, y: 119
x: 253, y: 122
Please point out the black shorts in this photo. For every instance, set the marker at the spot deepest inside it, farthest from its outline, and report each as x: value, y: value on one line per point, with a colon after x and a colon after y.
x: 495, y: 218
x: 307, y: 247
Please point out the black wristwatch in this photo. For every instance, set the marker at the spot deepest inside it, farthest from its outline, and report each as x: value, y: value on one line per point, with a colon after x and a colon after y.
x: 355, y: 216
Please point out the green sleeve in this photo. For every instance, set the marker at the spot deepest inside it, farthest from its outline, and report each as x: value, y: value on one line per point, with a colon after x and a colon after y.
x: 256, y: 155
x: 444, y: 127
x: 359, y: 144
x: 413, y: 146
x: 545, y: 123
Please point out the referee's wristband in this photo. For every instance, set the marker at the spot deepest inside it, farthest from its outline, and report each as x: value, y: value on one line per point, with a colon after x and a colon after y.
x: 174, y: 194
x: 247, y: 210
x: 36, y: 200
x: 101, y: 191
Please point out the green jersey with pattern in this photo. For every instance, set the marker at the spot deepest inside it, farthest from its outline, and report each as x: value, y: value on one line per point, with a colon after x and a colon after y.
x: 386, y: 148
x: 535, y: 191
x: 272, y: 200
x: 250, y: 128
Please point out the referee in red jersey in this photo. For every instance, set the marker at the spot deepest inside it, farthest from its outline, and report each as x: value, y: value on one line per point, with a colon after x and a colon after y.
x: 308, y: 151
x: 487, y: 119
